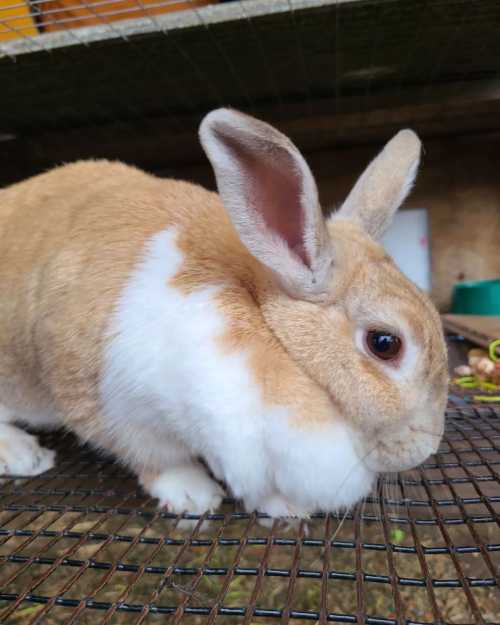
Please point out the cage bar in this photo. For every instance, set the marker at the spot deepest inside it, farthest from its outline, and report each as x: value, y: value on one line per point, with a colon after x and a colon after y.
x: 83, y: 541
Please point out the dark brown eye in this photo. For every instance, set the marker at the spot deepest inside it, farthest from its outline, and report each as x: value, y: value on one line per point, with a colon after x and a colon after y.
x: 383, y: 345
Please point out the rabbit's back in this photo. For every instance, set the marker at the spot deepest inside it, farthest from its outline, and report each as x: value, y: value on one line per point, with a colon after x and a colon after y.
x: 69, y: 241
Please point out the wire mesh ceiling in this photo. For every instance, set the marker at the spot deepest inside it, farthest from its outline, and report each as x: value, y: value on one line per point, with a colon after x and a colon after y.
x: 129, y: 80
x: 82, y: 544
x: 33, y: 17
x: 247, y: 52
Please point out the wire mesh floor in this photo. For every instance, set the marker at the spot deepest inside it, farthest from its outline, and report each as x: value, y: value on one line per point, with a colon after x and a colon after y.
x: 83, y: 544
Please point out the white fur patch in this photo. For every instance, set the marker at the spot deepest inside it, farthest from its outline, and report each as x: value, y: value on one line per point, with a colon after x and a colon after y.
x: 20, y: 453
x: 322, y: 463
x: 169, y: 394
x: 186, y: 488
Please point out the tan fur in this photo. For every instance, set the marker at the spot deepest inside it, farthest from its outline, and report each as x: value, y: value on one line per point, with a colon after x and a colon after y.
x: 222, y: 259
x: 69, y: 240
x: 320, y: 337
x: 343, y: 285
x: 384, y: 184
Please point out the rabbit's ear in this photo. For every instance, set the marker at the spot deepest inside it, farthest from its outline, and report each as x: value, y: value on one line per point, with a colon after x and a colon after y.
x: 384, y: 185
x: 271, y: 197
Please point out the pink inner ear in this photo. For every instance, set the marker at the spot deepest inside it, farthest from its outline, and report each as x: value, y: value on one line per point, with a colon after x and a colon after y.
x: 277, y: 191
x: 273, y: 186
x: 300, y: 250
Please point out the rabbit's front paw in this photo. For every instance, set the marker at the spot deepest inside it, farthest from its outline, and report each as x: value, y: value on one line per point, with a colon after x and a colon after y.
x: 276, y: 506
x: 21, y: 454
x: 185, y: 488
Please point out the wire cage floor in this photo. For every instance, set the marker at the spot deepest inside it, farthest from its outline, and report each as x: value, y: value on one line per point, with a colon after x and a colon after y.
x: 83, y: 544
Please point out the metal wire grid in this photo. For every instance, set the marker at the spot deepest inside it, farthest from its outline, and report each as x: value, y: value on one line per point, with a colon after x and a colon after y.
x: 25, y: 18
x: 333, y: 50
x: 82, y: 544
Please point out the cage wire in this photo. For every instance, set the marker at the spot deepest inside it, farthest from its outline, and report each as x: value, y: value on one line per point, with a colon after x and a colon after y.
x: 253, y: 51
x: 83, y: 544
x: 141, y: 73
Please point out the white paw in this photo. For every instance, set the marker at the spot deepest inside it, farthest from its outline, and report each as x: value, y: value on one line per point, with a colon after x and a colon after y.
x: 186, y: 488
x: 21, y: 454
x: 276, y: 506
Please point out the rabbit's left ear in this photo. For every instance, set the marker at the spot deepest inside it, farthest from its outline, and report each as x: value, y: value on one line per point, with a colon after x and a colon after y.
x: 272, y: 199
x: 384, y: 185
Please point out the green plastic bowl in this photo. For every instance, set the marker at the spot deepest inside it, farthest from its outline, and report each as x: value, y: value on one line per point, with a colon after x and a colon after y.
x: 476, y: 298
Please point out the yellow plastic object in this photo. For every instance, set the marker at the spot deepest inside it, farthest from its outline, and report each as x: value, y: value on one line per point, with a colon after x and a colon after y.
x: 64, y: 14
x: 15, y: 20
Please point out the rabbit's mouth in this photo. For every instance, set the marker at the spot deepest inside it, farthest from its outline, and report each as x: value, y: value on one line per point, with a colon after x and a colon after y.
x: 405, y: 449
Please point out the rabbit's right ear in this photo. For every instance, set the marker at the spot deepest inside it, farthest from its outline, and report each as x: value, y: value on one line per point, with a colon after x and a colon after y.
x: 384, y: 185
x: 272, y: 199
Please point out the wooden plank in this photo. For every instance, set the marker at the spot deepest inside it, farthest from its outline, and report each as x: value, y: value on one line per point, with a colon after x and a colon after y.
x: 477, y: 328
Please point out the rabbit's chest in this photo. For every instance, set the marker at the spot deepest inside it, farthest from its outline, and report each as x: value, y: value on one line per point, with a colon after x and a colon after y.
x: 164, y: 361
x: 168, y: 369
x: 197, y: 354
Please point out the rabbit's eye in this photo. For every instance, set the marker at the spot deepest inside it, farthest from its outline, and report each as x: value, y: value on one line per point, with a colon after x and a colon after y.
x: 383, y: 345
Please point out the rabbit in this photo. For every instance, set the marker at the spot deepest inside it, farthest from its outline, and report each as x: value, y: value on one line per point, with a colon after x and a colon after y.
x: 241, y: 332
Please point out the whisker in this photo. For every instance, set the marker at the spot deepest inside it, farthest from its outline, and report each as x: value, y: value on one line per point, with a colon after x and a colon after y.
x: 380, y: 497
x: 331, y: 539
x: 422, y: 431
x: 339, y: 526
x: 347, y: 509
x: 362, y: 516
x: 415, y: 488
x: 354, y: 467
x: 390, y: 495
